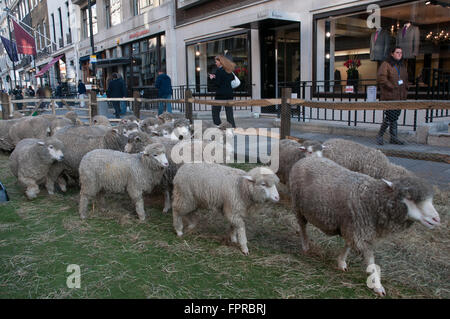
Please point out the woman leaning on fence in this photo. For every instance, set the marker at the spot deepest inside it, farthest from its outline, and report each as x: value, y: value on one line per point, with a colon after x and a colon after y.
x: 393, y: 80
x: 222, y: 79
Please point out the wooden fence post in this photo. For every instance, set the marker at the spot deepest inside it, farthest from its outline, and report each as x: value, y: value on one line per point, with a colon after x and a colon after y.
x: 188, y: 105
x: 136, y: 104
x: 5, y: 106
x: 285, y: 123
x: 93, y: 104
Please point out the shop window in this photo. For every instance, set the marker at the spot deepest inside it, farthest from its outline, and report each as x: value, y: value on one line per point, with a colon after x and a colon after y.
x: 201, y: 61
x: 85, y: 22
x: 343, y: 42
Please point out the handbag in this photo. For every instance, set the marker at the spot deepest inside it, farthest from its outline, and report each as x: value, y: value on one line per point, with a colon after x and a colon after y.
x: 236, y: 82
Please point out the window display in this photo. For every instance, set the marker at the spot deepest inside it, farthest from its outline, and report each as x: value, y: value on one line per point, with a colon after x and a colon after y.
x: 420, y: 28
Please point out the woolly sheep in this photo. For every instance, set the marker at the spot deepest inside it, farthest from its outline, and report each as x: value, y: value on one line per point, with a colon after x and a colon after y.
x: 221, y: 189
x: 31, y: 161
x: 79, y: 140
x: 360, y: 158
x: 291, y: 151
x: 357, y: 207
x: 100, y: 120
x: 129, y: 119
x: 117, y: 172
x: 6, y: 144
x: 30, y: 127
x: 150, y: 124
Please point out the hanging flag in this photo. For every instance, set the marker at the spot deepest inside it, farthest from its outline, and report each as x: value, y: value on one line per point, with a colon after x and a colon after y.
x: 24, y: 41
x: 10, y: 48
x: 48, y: 66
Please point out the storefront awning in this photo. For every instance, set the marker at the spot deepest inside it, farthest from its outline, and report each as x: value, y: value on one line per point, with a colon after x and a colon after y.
x: 48, y: 66
x: 106, y: 63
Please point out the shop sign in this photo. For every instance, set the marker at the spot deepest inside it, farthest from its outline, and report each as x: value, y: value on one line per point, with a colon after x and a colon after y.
x: 93, y: 59
x: 138, y: 34
x: 349, y: 89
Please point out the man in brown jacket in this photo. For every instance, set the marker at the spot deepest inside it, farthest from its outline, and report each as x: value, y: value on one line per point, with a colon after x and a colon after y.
x: 393, y: 80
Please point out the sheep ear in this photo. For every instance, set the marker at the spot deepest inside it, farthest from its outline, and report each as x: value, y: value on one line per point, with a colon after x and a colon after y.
x: 302, y: 148
x: 249, y: 178
x: 388, y: 183
x: 41, y: 143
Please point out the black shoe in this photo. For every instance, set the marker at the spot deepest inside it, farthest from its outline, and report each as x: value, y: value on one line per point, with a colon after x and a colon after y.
x: 395, y: 140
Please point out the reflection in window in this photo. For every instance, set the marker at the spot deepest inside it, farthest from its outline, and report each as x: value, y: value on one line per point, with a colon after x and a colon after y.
x: 201, y: 60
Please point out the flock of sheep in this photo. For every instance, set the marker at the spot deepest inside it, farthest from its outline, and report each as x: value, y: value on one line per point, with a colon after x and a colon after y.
x: 341, y: 187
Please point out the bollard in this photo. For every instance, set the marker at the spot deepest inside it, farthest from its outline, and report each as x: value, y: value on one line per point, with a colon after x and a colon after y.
x: 285, y: 121
x: 188, y: 105
x: 136, y: 104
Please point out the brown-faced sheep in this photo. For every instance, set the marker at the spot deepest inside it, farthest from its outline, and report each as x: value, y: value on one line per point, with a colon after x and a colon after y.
x: 31, y: 161
x: 357, y: 207
x: 221, y: 189
x: 117, y: 172
x: 360, y: 158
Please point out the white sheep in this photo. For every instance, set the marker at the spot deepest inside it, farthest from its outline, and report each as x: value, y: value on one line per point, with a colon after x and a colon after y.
x: 31, y: 161
x: 357, y: 207
x: 221, y: 189
x: 117, y: 172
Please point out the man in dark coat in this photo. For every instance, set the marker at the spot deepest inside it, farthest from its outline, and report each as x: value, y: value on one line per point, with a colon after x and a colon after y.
x: 116, y: 89
x: 81, y: 92
x: 164, y: 86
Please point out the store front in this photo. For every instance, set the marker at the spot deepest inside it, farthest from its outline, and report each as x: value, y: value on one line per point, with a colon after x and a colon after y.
x: 200, y: 56
x: 420, y: 28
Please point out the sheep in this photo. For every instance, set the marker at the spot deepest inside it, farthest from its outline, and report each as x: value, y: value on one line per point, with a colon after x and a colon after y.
x: 30, y: 127
x: 222, y: 189
x: 167, y: 117
x: 31, y: 161
x: 360, y: 158
x: 129, y: 119
x: 357, y: 207
x: 150, y: 124
x: 291, y: 151
x: 73, y: 116
x: 117, y: 172
x: 100, y: 120
x: 58, y: 123
x: 79, y: 140
x: 17, y: 115
x: 129, y: 128
x: 6, y: 144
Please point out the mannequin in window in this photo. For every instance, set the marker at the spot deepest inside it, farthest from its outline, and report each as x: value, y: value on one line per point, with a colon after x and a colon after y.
x: 408, y: 38
x: 379, y: 45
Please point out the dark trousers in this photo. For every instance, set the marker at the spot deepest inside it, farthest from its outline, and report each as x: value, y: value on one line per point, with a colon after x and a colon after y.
x: 216, y: 114
x: 392, y: 115
x: 116, y: 105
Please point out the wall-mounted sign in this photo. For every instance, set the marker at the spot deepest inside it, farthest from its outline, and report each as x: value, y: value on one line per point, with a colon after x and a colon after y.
x: 138, y: 34
x: 349, y: 89
x: 93, y: 59
x: 371, y: 93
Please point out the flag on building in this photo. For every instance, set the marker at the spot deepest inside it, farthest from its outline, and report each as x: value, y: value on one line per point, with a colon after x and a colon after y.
x: 10, y: 48
x: 24, y: 41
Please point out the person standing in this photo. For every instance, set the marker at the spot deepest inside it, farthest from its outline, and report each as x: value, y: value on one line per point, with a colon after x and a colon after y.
x: 393, y: 80
x: 164, y: 86
x: 116, y: 89
x: 81, y: 92
x: 222, y: 78
x: 18, y: 95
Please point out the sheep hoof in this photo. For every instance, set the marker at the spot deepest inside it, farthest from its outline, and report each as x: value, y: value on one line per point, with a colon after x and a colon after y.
x: 342, y: 265
x: 245, y: 252
x: 165, y: 210
x: 380, y: 291
x: 179, y: 233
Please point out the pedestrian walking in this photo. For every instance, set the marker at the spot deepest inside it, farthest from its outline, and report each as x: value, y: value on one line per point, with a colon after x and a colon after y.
x: 164, y: 85
x: 116, y: 89
x: 58, y: 94
x: 222, y: 79
x: 393, y: 80
x: 18, y: 95
x: 81, y: 93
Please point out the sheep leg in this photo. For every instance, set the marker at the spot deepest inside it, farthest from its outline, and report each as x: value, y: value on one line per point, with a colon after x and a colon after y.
x: 304, y: 241
x: 32, y: 188
x: 167, y: 203
x: 238, y: 225
x: 100, y: 199
x: 62, y: 184
x: 50, y: 185
x: 374, y: 279
x: 140, y: 208
x: 177, y: 222
x: 342, y: 265
x: 84, y: 202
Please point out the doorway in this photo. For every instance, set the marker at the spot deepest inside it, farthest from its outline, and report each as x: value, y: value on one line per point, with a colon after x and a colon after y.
x: 280, y: 60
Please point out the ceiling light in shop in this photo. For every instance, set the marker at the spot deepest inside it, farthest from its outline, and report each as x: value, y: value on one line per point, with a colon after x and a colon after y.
x: 197, y: 53
x: 197, y: 69
x: 328, y: 34
x: 327, y: 55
